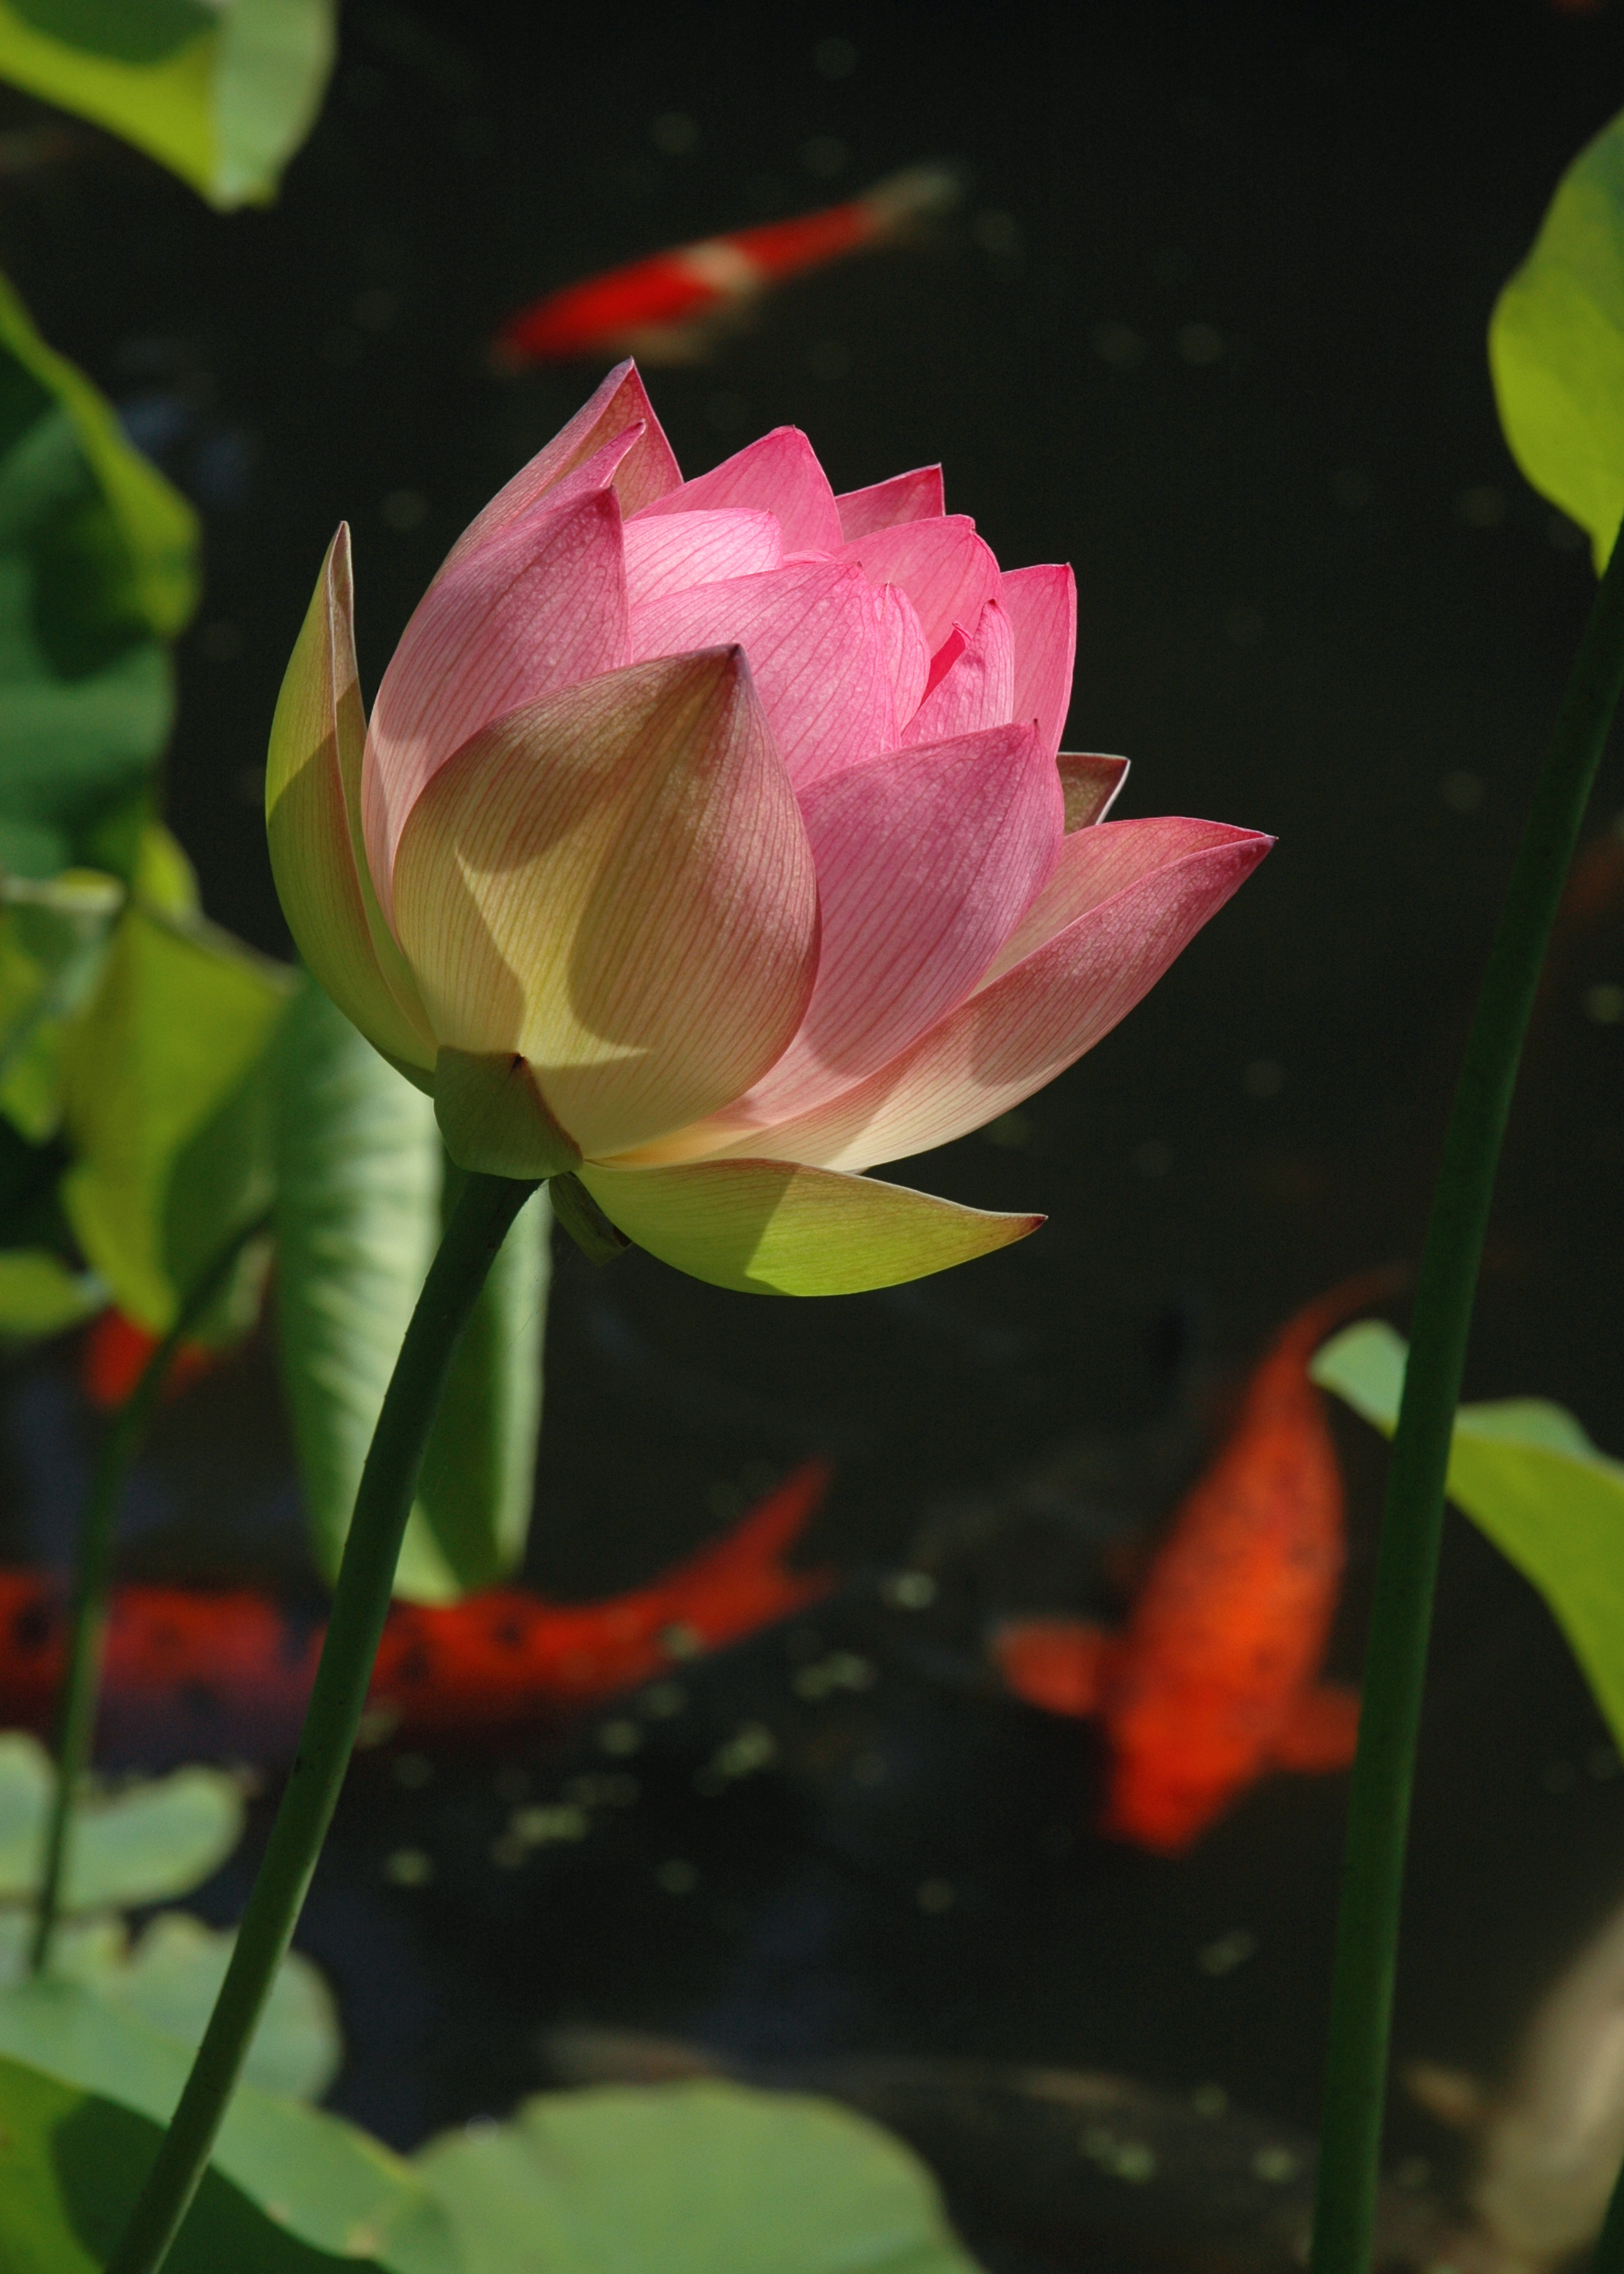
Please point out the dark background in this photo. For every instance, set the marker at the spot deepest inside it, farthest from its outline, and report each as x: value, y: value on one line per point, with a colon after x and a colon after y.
x: 1210, y: 325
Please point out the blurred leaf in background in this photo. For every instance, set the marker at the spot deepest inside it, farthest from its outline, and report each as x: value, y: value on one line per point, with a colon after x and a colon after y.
x: 143, y: 1844
x: 98, y: 574
x: 167, y: 1107
x: 678, y: 2179
x: 1527, y: 1474
x: 71, y: 2166
x: 361, y: 1180
x: 727, y: 2181
x: 319, y: 2181
x: 222, y: 92
x: 1556, y: 346
x: 156, y: 1094
x: 169, y: 1976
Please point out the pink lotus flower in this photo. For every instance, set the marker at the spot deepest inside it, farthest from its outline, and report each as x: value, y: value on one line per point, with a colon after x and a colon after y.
x: 708, y: 840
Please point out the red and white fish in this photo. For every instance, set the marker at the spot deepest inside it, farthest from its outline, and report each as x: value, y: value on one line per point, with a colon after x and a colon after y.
x: 668, y: 308
x: 195, y: 1674
x: 1215, y: 1679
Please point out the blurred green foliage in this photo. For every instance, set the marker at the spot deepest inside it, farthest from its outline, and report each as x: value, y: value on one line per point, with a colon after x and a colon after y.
x: 1556, y: 346
x: 160, y: 1083
x: 222, y: 92
x: 142, y: 1844
x: 362, y: 1178
x: 1527, y: 1474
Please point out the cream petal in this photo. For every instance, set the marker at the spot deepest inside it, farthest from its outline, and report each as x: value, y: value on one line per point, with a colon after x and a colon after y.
x: 1090, y: 783
x: 539, y: 607
x: 615, y: 884
x: 773, y: 1228
x: 668, y: 553
x: 977, y: 689
x: 916, y: 496
x: 1139, y: 891
x: 312, y: 821
x: 813, y: 633
x: 779, y: 475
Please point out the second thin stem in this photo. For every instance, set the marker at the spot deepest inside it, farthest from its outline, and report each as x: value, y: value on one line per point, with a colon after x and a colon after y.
x: 1406, y: 1563
x: 92, y: 1572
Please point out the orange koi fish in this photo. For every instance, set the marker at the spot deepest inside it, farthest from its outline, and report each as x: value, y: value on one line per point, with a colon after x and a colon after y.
x: 668, y: 308
x: 115, y: 1351
x: 195, y: 1674
x: 1215, y: 1679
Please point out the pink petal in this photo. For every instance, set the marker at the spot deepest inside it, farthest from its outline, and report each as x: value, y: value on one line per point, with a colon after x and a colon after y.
x: 812, y: 631
x: 538, y: 605
x: 1094, y: 865
x: 926, y: 861
x: 780, y: 475
x: 615, y: 884
x: 647, y: 472
x: 907, y: 657
x: 1144, y: 889
x: 905, y: 497
x: 671, y: 552
x: 945, y: 657
x: 1041, y: 606
x: 976, y: 690
x: 942, y: 565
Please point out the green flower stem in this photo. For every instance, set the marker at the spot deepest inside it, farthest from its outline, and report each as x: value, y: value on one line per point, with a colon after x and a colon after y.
x: 92, y: 1572
x: 1407, y: 1565
x: 1608, y: 2256
x: 478, y: 1224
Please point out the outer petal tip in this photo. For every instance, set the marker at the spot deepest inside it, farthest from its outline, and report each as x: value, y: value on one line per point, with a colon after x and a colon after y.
x: 311, y: 766
x: 779, y: 1228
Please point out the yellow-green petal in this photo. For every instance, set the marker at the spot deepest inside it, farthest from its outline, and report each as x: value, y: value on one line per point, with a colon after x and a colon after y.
x: 312, y: 813
x: 776, y: 1227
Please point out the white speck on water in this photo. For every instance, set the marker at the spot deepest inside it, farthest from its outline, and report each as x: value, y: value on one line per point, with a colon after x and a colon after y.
x: 1226, y: 1952
x: 1277, y: 2166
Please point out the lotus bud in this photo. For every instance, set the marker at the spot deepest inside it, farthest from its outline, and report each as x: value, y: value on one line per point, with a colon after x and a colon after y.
x: 710, y: 843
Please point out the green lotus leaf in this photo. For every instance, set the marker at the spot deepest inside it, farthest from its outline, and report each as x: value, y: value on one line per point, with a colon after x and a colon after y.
x: 167, y: 1107
x: 143, y: 1845
x: 361, y: 1182
x: 1527, y: 1474
x: 1556, y: 346
x: 169, y: 1977
x: 222, y: 92
x: 688, y: 2178
x: 72, y: 2164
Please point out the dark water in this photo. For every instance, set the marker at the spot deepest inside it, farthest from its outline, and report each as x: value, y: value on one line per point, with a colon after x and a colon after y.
x: 1211, y: 326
